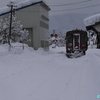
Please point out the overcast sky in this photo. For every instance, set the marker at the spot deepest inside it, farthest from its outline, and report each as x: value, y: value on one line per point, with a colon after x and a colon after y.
x: 68, y: 6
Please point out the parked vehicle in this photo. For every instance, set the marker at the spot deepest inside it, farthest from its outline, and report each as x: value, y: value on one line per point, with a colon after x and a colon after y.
x: 76, y: 43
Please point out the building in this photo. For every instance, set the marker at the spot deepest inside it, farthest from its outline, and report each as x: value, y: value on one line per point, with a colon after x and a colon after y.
x: 35, y: 18
x: 93, y: 23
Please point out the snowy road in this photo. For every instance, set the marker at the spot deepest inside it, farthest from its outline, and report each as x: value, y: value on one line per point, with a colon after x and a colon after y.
x: 50, y: 75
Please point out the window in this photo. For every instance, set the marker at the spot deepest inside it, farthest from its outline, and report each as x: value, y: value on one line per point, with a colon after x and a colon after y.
x: 69, y: 38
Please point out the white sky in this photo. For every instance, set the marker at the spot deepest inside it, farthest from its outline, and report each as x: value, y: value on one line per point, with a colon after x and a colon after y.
x: 63, y: 8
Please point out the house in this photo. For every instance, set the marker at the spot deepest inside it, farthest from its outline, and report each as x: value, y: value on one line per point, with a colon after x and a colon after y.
x: 93, y: 23
x: 35, y: 18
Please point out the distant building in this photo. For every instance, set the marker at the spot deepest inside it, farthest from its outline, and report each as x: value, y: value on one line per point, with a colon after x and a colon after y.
x: 93, y: 23
x: 35, y: 18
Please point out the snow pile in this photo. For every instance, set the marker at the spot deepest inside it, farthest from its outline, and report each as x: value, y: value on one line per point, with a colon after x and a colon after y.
x: 15, y: 48
x: 17, y: 44
x: 18, y: 48
x: 92, y: 20
x: 3, y: 51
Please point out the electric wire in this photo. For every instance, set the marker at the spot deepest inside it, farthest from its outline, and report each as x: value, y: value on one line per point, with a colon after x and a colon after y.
x: 76, y: 8
x: 72, y: 3
x: 67, y: 9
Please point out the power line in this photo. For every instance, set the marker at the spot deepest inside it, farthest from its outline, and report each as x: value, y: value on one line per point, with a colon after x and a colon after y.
x: 76, y: 8
x: 72, y: 3
x: 66, y: 9
x: 68, y: 3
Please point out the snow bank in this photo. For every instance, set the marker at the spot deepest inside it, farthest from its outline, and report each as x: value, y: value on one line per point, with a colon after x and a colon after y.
x: 92, y: 20
x: 3, y: 51
x: 17, y: 44
x: 15, y: 48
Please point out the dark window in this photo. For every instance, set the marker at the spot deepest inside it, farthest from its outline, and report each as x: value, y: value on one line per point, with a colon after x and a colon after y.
x: 83, y: 38
x: 77, y: 39
x: 69, y: 38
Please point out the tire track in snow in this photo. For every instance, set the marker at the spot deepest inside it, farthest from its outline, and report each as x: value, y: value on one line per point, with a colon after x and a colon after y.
x: 90, y: 86
x: 47, y: 81
x: 72, y: 89
x: 95, y: 72
x: 81, y: 82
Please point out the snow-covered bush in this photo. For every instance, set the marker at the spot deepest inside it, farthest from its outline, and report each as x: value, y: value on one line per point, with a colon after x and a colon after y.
x: 18, y: 34
x: 58, y: 40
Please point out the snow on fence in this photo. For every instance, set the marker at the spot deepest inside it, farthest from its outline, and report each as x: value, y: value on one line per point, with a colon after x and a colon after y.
x: 17, y: 45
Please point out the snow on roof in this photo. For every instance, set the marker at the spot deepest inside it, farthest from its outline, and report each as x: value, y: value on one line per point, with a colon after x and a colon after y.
x: 20, y: 5
x: 5, y: 9
x: 27, y: 2
x: 92, y: 20
x: 12, y: 2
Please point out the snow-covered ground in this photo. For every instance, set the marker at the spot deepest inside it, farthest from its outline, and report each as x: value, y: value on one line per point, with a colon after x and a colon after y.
x: 41, y: 75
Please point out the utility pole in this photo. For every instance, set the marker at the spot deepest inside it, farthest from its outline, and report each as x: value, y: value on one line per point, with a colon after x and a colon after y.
x: 9, y: 38
x: 11, y: 4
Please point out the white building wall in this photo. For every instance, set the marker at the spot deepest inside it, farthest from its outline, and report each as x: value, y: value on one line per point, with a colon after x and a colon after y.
x: 44, y: 18
x: 30, y: 19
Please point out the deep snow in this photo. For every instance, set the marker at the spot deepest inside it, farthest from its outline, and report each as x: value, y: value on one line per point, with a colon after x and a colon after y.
x: 41, y: 75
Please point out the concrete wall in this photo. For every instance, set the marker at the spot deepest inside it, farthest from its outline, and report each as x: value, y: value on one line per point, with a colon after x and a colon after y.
x: 44, y: 27
x: 44, y: 23
x: 30, y: 19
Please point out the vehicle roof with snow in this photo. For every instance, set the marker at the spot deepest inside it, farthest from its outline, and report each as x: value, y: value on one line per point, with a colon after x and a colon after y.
x: 22, y: 5
x: 76, y: 31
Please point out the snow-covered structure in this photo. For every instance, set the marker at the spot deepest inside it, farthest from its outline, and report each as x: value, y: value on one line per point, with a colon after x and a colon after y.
x: 92, y: 20
x: 93, y: 23
x: 34, y: 15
